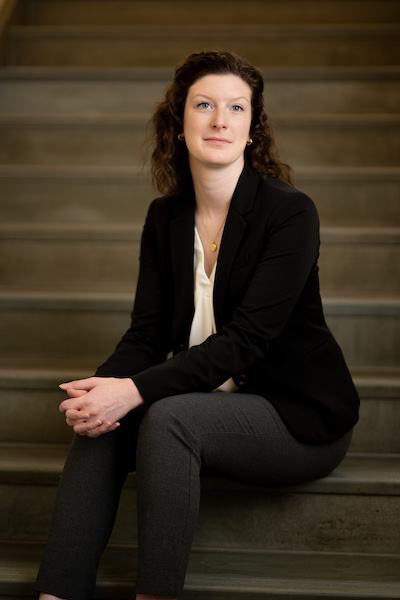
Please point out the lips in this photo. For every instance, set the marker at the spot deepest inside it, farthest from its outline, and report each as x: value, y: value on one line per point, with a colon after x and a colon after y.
x: 214, y: 140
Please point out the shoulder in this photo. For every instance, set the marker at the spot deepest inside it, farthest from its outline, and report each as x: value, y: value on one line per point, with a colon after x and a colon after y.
x: 279, y: 192
x: 279, y: 201
x: 166, y: 208
x: 159, y: 207
x: 269, y: 192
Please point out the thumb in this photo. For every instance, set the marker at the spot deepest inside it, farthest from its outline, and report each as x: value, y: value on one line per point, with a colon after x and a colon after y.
x: 72, y: 393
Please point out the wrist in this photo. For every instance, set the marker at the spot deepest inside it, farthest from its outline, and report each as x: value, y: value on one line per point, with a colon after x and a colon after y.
x: 134, y: 396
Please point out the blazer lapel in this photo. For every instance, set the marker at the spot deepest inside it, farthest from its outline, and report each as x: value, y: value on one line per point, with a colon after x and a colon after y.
x: 235, y: 227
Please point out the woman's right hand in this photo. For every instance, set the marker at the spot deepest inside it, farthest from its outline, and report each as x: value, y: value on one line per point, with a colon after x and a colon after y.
x: 97, y: 404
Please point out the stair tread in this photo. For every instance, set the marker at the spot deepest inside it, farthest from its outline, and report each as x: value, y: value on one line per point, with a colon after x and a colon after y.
x: 166, y: 73
x: 135, y: 119
x: 131, y: 231
x: 365, y: 473
x: 45, y: 373
x: 323, y: 172
x: 244, y: 30
x: 44, y: 299
x: 62, y: 13
x: 215, y: 570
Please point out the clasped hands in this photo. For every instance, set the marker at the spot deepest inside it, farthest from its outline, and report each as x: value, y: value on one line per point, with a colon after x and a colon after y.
x: 97, y: 404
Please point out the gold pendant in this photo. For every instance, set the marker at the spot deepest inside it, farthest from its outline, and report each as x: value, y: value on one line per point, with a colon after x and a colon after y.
x: 213, y: 247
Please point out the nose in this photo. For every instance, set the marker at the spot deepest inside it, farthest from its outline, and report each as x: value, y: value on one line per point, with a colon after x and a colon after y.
x: 219, y: 118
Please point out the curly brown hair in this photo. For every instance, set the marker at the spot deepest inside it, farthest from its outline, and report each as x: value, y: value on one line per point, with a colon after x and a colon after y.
x: 170, y: 164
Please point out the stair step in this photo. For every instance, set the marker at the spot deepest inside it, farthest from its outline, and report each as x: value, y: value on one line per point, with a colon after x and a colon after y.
x: 62, y: 139
x: 121, y: 12
x: 83, y: 255
x: 49, y: 90
x: 336, y: 140
x: 99, y: 195
x: 94, y: 91
x: 360, y: 326
x: 60, y: 256
x: 371, y: 193
x: 332, y: 140
x: 30, y: 389
x: 355, y: 259
x: 379, y: 391
x: 74, y: 325
x: 365, y: 487
x: 219, y: 574
x: 96, y: 195
x: 159, y: 45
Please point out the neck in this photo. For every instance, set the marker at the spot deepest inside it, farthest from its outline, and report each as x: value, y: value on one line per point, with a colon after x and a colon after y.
x: 214, y: 187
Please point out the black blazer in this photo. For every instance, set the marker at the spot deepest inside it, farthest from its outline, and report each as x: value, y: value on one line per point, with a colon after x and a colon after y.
x: 271, y: 333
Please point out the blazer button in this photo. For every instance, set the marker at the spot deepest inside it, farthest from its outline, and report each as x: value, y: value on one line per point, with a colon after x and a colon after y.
x: 242, y: 380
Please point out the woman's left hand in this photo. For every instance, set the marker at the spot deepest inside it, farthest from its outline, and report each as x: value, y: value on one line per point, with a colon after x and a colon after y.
x: 97, y: 404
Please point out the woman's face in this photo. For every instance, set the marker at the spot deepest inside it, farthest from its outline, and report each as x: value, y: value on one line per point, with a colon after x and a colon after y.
x: 216, y: 120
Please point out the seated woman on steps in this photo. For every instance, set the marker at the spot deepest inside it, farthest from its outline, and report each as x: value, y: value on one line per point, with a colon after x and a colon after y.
x: 256, y: 389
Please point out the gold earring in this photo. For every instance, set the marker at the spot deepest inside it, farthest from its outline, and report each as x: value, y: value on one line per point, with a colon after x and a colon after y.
x: 249, y: 142
x: 181, y: 137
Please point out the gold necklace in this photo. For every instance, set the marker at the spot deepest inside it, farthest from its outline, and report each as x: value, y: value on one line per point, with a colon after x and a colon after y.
x: 213, y: 246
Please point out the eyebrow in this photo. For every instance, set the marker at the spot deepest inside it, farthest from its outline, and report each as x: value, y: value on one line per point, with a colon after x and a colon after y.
x: 231, y: 99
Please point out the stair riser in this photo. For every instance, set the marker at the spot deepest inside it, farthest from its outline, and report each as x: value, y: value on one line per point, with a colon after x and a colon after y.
x: 76, y: 334
x: 99, y: 264
x: 91, y: 200
x: 114, y: 200
x: 73, y: 145
x: 378, y: 427
x: 134, y: 49
x: 82, y: 97
x: 113, y: 265
x: 302, y: 145
x: 360, y: 267
x: 39, y: 420
x: 65, y: 333
x: 115, y: 96
x: 269, y: 520
x: 96, y: 200
x: 226, y: 574
x: 374, y: 203
x: 339, y: 145
x: 183, y: 13
x: 367, y: 340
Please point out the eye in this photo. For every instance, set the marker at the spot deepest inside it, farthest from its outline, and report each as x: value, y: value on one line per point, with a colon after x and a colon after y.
x: 203, y: 105
x: 237, y: 108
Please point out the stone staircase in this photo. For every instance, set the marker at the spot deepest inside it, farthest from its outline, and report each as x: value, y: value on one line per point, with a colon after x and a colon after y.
x: 78, y: 82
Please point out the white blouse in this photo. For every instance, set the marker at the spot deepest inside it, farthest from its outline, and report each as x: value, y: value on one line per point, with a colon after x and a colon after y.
x: 203, y: 324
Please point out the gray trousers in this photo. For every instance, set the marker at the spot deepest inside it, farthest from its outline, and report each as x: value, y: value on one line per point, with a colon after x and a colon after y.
x: 238, y: 436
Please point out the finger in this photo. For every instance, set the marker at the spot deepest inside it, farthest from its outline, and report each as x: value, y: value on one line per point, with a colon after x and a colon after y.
x: 106, y: 428
x: 86, y: 426
x: 79, y: 384
x: 75, y: 422
x: 75, y: 393
x: 76, y: 415
x: 73, y: 405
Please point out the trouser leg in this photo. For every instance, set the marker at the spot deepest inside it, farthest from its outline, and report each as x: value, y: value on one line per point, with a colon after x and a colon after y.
x: 238, y: 436
x: 85, y: 510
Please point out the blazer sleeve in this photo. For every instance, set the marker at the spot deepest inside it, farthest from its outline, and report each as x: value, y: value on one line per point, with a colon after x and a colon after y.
x: 147, y: 342
x: 290, y: 246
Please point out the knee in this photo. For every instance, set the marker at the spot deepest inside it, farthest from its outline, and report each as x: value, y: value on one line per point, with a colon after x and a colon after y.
x: 167, y: 410
x: 168, y: 417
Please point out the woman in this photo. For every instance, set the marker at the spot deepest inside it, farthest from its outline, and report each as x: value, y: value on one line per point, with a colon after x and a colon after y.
x: 257, y: 389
